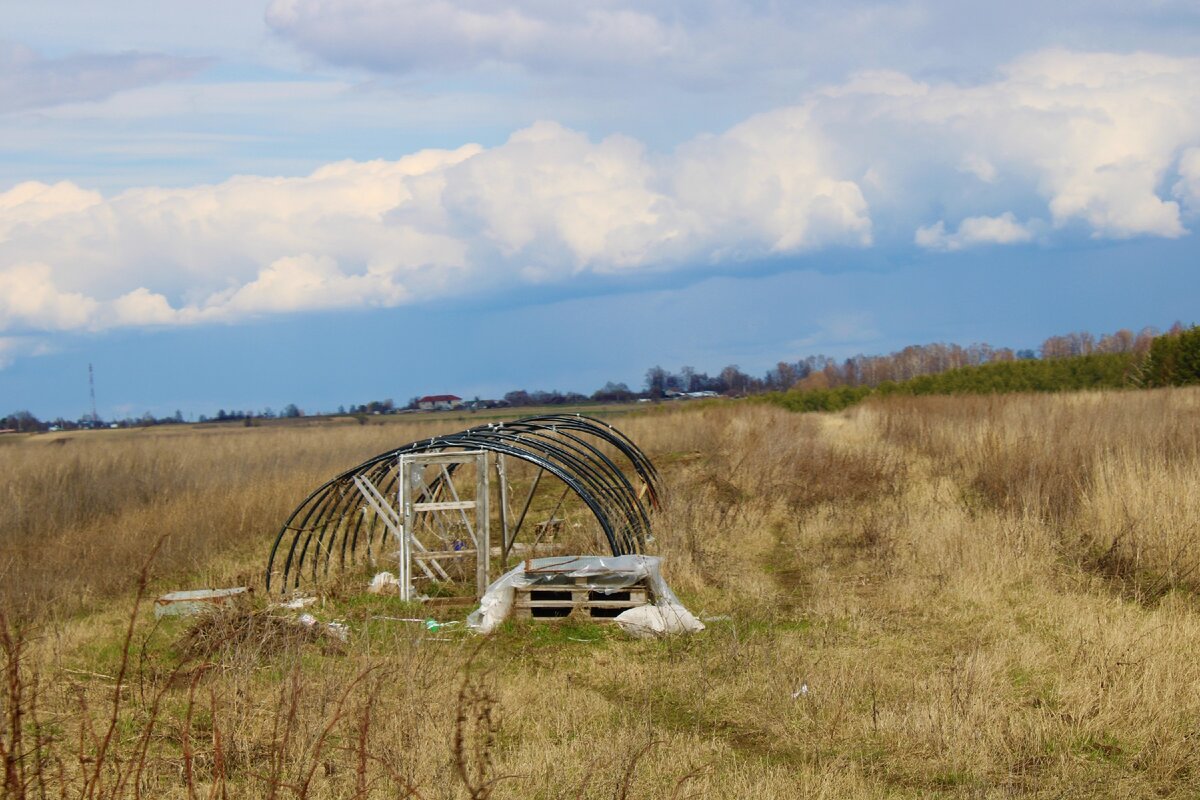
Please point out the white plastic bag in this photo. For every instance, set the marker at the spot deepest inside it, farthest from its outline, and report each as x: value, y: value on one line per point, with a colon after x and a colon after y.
x: 383, y: 582
x: 655, y: 622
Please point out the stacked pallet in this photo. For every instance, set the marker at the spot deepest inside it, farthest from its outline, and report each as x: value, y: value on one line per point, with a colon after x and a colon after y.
x: 595, y: 597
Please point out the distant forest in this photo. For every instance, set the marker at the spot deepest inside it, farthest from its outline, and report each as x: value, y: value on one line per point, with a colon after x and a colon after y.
x: 1067, y: 363
x: 819, y: 383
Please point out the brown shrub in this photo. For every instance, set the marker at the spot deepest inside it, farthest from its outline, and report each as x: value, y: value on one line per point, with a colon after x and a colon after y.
x: 250, y: 634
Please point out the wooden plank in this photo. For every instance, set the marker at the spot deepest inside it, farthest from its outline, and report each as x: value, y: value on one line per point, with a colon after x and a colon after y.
x: 581, y: 599
x: 528, y: 613
x: 442, y: 554
x: 521, y: 548
x: 502, y: 474
x: 589, y: 604
x: 451, y: 505
x: 581, y: 594
x: 483, y: 522
x: 442, y: 458
x: 567, y: 596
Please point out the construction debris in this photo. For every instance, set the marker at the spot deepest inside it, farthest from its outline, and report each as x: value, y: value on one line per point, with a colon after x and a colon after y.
x: 338, y: 630
x: 196, y: 601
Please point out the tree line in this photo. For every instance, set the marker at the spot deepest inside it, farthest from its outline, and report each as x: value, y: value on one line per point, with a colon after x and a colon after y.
x: 819, y: 382
x: 1173, y: 359
x: 1069, y: 363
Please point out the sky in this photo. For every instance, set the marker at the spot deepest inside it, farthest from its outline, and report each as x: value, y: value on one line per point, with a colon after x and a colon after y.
x: 241, y: 205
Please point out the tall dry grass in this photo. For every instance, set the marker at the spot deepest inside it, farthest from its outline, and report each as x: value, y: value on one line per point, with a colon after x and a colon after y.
x: 975, y: 597
x: 1116, y: 475
x: 79, y: 509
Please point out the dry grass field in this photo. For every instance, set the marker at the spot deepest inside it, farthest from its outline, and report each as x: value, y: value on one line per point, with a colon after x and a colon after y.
x: 962, y: 597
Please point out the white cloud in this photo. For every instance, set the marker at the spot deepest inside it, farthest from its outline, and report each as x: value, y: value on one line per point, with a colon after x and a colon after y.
x: 34, y: 203
x: 559, y: 203
x: 1004, y: 229
x: 305, y: 283
x: 1093, y: 134
x: 553, y: 199
x: 977, y: 165
x: 1117, y: 123
x: 772, y: 179
x: 1083, y: 140
x: 28, y: 80
x: 1187, y: 188
x: 141, y: 307
x: 30, y: 297
x: 546, y: 204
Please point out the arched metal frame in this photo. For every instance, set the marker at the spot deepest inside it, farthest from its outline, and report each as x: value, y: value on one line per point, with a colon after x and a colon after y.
x: 330, y: 523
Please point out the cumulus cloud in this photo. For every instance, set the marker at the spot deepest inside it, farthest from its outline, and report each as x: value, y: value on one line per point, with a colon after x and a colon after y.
x: 29, y: 296
x: 1118, y: 123
x: 1093, y: 134
x: 1187, y: 188
x: 306, y: 282
x: 558, y: 203
x: 28, y: 80
x: 1084, y: 141
x: 33, y: 202
x: 773, y: 179
x: 547, y: 204
x: 1004, y: 229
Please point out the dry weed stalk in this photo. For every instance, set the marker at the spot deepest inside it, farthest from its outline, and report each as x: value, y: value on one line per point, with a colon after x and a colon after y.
x: 108, y: 772
x: 18, y: 696
x: 476, y: 725
x: 621, y: 791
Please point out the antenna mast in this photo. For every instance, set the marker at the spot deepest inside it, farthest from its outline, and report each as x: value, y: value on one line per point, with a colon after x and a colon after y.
x: 92, y: 390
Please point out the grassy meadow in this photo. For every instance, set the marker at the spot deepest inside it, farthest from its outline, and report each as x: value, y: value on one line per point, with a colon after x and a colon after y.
x: 991, y: 596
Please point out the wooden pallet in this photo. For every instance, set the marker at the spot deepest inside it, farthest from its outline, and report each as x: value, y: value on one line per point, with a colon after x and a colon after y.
x: 568, y: 596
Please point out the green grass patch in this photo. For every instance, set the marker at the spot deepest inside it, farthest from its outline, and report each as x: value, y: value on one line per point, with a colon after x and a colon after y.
x: 570, y: 632
x: 1096, y: 371
x: 1103, y: 747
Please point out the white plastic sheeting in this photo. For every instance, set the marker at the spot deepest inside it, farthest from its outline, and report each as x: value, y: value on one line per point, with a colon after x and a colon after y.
x: 384, y: 582
x: 196, y: 601
x: 656, y: 621
x: 610, y: 574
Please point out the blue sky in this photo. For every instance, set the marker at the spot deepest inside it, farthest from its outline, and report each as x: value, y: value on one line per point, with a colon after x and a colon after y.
x: 242, y: 205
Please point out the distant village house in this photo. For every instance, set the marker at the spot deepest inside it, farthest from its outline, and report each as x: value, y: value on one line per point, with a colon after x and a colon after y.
x: 438, y: 402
